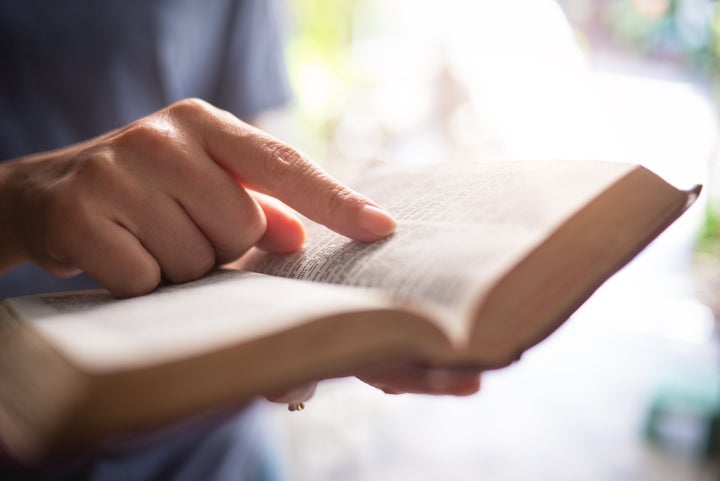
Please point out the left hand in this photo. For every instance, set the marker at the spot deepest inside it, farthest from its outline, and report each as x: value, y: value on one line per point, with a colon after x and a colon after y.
x: 401, y: 378
x: 409, y: 377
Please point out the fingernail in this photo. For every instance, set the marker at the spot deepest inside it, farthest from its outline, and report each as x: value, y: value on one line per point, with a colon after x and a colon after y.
x: 376, y: 221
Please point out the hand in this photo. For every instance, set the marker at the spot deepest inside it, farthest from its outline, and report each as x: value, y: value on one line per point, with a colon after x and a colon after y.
x: 400, y: 378
x: 407, y: 377
x: 172, y: 194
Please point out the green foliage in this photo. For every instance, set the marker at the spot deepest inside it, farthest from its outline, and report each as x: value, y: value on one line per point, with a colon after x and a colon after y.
x: 708, y: 241
x: 685, y: 31
x: 319, y: 64
x: 323, y: 31
x: 715, y: 72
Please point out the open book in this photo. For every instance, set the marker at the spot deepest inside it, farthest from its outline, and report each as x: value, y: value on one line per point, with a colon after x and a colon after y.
x: 488, y: 259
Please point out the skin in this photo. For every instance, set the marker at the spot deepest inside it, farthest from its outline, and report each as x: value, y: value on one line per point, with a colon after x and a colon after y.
x: 174, y: 194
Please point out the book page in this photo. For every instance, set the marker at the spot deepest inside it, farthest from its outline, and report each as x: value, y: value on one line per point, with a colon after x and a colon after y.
x: 95, y: 329
x: 460, y: 226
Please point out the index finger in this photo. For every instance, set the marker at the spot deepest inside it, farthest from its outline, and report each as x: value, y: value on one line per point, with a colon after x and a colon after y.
x: 263, y: 163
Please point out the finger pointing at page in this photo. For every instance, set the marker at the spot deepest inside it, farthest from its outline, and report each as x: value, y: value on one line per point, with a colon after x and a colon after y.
x: 267, y: 165
x: 171, y: 195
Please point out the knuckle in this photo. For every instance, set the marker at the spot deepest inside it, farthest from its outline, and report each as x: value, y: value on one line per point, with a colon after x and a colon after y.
x: 336, y: 199
x: 162, y: 144
x: 203, y: 264
x: 199, y: 264
x: 147, y: 134
x: 286, y: 170
x: 185, y: 258
x: 92, y: 166
x: 140, y: 278
x: 190, y: 108
x: 191, y: 120
x: 243, y: 235
x: 282, y: 163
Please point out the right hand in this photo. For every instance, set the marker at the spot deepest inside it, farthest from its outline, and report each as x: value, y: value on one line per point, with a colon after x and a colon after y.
x: 172, y: 194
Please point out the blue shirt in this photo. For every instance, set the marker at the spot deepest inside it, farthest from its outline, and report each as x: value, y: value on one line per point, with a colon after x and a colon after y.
x: 72, y: 69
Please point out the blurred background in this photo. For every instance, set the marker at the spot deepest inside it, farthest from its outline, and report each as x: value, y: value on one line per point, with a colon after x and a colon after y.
x: 629, y: 388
